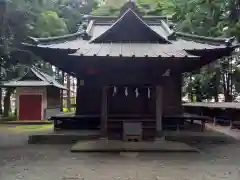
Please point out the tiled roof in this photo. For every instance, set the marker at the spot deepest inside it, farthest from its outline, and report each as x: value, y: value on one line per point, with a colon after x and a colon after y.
x: 177, y: 48
x: 131, y: 35
x: 41, y: 79
x: 130, y: 50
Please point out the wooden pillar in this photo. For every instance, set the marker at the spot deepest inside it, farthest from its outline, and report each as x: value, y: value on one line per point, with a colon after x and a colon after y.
x: 159, y: 127
x: 104, y: 112
x: 78, y: 106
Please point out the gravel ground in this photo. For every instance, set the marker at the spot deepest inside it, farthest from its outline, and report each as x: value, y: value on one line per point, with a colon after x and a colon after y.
x: 20, y: 161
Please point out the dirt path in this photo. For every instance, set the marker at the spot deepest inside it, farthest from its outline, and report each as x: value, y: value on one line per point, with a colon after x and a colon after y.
x: 20, y: 161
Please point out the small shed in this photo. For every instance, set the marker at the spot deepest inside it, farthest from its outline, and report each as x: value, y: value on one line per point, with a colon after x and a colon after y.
x: 37, y: 95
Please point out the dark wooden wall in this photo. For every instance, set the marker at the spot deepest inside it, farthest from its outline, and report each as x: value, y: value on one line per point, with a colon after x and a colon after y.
x: 172, y: 96
x: 89, y: 99
x: 53, y: 97
x: 120, y: 103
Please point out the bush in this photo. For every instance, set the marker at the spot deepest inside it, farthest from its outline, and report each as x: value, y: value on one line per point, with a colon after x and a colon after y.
x: 66, y: 110
x: 10, y: 118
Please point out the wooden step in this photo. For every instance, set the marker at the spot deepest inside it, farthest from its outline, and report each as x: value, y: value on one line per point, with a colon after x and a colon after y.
x: 131, y: 120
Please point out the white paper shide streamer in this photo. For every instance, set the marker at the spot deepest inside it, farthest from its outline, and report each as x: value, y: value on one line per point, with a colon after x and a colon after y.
x: 126, y: 91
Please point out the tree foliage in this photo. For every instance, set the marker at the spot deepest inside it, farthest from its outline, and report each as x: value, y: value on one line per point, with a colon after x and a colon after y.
x: 216, y: 19
x: 49, y: 24
x: 39, y: 18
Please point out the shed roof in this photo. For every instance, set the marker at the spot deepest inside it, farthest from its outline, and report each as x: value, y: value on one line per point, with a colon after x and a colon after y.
x: 33, y: 78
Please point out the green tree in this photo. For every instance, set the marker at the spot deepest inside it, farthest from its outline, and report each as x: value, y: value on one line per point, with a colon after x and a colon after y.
x: 13, y: 32
x: 72, y: 12
x: 219, y: 18
x: 106, y: 10
x: 49, y: 24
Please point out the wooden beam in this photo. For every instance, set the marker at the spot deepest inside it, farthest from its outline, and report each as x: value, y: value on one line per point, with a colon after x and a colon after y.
x: 159, y: 110
x: 104, y: 112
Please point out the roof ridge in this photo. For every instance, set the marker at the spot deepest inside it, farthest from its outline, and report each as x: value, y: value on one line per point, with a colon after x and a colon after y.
x: 52, y: 80
x: 39, y: 74
x: 147, y: 17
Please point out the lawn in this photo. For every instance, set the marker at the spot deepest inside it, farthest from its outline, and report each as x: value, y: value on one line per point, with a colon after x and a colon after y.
x: 32, y: 128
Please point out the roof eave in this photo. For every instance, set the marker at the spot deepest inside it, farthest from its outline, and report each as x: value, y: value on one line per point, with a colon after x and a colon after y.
x: 9, y: 85
x: 49, y: 40
x: 209, y: 40
x: 49, y: 48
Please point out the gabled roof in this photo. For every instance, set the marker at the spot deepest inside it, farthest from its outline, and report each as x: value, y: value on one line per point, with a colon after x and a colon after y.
x: 132, y: 35
x: 33, y: 78
x: 130, y: 28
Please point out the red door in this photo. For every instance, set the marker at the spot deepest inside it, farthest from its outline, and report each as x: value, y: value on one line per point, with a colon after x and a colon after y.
x: 30, y: 107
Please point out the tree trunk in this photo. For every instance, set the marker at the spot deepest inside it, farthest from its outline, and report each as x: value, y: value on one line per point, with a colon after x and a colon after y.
x: 7, y: 102
x: 228, y: 83
x: 216, y: 86
x: 1, y: 110
x: 226, y: 89
x: 216, y: 99
x: 68, y: 92
x: 61, y: 80
x: 191, y: 92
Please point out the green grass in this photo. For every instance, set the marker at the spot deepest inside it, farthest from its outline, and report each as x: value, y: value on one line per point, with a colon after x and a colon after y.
x: 68, y: 110
x: 32, y: 127
x: 10, y: 118
x: 26, y: 128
